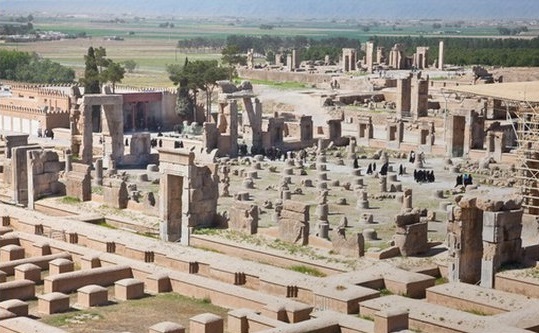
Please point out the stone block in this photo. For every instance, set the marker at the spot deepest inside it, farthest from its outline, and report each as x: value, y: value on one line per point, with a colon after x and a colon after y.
x: 166, y: 327
x: 206, y: 323
x: 92, y: 295
x: 16, y: 306
x: 158, y: 283
x: 414, y: 240
x: 502, y: 226
x: 126, y: 289
x: 342, y: 298
x: 288, y: 214
x: 296, y: 206
x: 60, y: 265
x: 11, y: 252
x: 28, y: 272
x: 405, y: 219
x: 3, y: 276
x: 22, y: 289
x: 41, y: 249
x: 90, y: 261
x: 237, y: 321
x: 392, y: 320
x: 275, y: 311
x: 53, y: 303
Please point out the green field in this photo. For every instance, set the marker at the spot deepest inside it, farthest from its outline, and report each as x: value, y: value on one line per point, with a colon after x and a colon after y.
x: 153, y: 47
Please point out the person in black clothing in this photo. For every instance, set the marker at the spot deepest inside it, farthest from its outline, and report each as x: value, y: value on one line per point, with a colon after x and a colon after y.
x: 383, y: 170
x: 459, y: 180
x: 369, y: 169
x: 401, y: 170
x: 356, y: 164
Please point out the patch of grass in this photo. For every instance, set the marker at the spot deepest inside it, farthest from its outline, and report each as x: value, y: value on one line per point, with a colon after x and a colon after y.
x: 206, y: 231
x: 441, y: 280
x: 70, y: 200
x: 205, y: 248
x: 385, y: 292
x: 148, y: 234
x: 286, y: 85
x: 97, y: 190
x: 307, y: 270
x: 366, y: 317
x: 106, y: 225
x: 476, y: 312
x: 72, y: 317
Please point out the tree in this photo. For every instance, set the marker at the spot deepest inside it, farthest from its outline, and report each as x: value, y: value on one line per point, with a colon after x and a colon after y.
x: 91, y: 74
x: 198, y: 75
x: 130, y: 65
x: 101, y: 61
x: 232, y: 56
x: 114, y: 73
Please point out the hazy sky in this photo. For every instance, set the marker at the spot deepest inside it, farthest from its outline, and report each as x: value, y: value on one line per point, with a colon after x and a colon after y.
x: 376, y: 9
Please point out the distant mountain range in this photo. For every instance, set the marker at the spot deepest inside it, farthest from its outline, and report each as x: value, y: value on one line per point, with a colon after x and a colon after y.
x: 298, y: 9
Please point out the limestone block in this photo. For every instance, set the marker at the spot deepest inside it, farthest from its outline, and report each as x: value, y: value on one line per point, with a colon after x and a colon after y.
x: 342, y: 298
x: 41, y: 249
x: 404, y: 219
x: 21, y: 289
x: 158, y: 283
x: 237, y: 321
x: 90, y: 261
x: 206, y: 323
x: 414, y: 240
x: 296, y: 206
x: 366, y: 218
x: 392, y: 320
x: 489, y: 204
x: 16, y: 306
x: 502, y: 226
x: 3, y: 276
x: 53, y: 303
x: 166, y: 327
x: 92, y: 295
x: 60, y: 265
x: 11, y: 252
x: 275, y: 311
x: 244, y: 217
x: 28, y: 272
x: 294, y: 231
x: 349, y: 245
x: 288, y: 214
x: 130, y: 288
x: 370, y: 234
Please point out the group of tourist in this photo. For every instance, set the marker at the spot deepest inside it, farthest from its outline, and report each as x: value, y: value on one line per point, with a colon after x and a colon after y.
x: 424, y: 176
x: 464, y: 179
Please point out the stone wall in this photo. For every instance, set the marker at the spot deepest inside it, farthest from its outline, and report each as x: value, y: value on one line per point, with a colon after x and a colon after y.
x: 43, y: 170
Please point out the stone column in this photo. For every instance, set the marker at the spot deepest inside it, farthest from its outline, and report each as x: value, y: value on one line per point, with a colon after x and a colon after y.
x: 69, y: 162
x: 383, y: 184
x: 363, y: 201
x: 407, y: 200
x: 441, y: 55
x: 99, y: 172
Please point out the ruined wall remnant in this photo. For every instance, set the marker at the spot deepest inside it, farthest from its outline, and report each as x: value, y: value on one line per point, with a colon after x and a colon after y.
x: 483, y: 234
x: 244, y: 217
x: 189, y: 190
x: 411, y: 234
x: 294, y: 222
x: 79, y: 182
